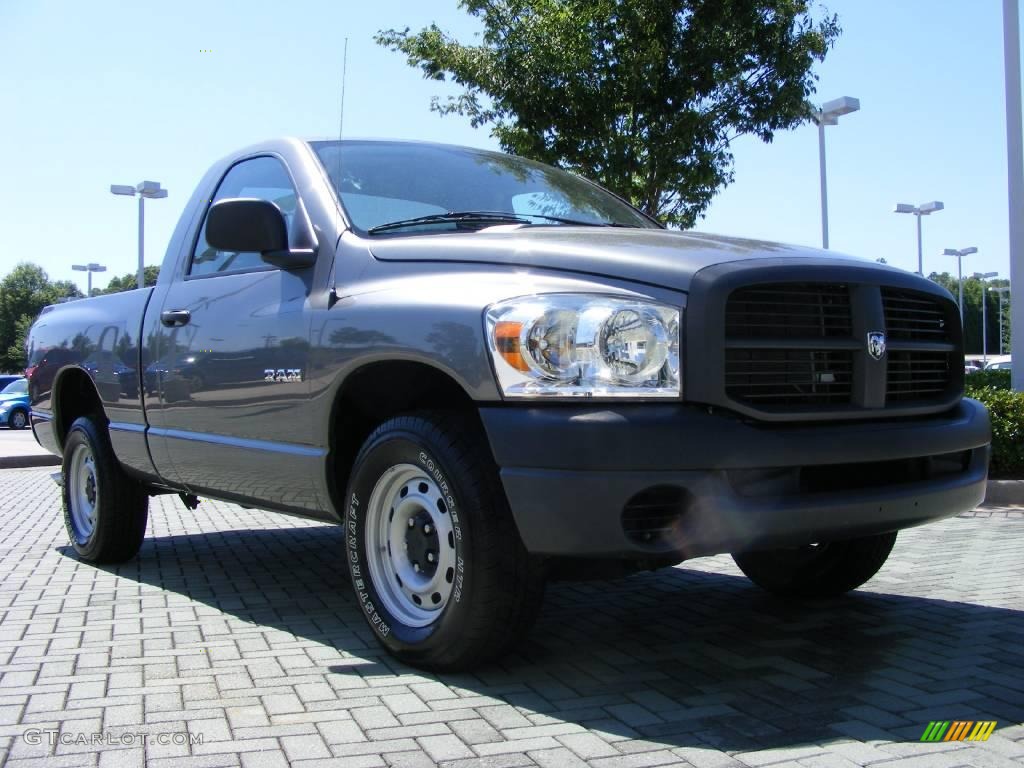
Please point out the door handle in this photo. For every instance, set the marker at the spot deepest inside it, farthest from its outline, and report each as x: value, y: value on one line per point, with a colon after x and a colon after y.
x: 175, y: 318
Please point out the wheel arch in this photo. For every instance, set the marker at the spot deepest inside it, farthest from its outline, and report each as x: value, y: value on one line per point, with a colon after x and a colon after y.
x: 375, y: 392
x: 74, y: 395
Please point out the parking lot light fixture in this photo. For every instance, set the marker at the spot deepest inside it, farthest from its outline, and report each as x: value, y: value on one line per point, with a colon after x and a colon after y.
x: 90, y: 268
x: 960, y: 273
x: 144, y: 189
x: 924, y: 209
x: 829, y: 114
x: 983, y: 276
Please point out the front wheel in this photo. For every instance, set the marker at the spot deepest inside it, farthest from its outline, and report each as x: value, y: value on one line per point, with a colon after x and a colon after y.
x: 105, y: 510
x: 818, y: 570
x: 437, y: 564
x: 18, y: 419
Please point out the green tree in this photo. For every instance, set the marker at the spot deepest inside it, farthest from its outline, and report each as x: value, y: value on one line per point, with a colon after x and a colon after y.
x: 15, y: 359
x: 130, y: 281
x: 973, y: 294
x: 643, y: 96
x: 23, y: 294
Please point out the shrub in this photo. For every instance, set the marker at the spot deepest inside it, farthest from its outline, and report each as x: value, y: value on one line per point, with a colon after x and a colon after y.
x: 997, y: 379
x: 1006, y: 410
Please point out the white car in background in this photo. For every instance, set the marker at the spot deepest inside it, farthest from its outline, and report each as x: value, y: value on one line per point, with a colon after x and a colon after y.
x: 1000, y: 365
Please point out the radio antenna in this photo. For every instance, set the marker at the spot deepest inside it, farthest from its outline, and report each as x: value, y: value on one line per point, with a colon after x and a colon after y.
x: 344, y: 74
x: 337, y: 188
x: 341, y: 120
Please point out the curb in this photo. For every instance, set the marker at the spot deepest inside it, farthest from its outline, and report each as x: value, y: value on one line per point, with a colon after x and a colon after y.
x: 1004, y: 493
x: 25, y: 462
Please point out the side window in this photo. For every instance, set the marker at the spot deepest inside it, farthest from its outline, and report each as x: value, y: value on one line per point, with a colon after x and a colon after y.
x: 262, y: 177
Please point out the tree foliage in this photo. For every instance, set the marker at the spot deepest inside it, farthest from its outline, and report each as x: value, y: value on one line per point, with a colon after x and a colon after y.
x: 973, y: 292
x: 130, y: 281
x: 643, y: 96
x: 23, y: 294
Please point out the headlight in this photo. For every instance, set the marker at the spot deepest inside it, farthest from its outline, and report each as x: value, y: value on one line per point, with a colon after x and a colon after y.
x: 578, y: 345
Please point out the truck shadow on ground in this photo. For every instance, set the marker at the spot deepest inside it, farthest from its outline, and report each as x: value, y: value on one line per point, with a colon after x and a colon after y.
x: 678, y: 657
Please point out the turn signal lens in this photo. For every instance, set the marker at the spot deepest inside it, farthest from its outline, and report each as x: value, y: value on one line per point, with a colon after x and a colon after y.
x: 506, y: 343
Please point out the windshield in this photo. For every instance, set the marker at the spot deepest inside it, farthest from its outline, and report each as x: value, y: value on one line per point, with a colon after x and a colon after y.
x: 382, y: 182
x: 17, y: 387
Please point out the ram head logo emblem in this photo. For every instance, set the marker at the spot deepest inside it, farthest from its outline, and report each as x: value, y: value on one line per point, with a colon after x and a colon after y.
x: 876, y: 345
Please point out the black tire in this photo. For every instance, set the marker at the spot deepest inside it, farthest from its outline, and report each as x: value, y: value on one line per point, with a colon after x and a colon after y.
x: 121, y: 504
x: 819, y: 571
x: 496, y: 588
x: 17, y: 419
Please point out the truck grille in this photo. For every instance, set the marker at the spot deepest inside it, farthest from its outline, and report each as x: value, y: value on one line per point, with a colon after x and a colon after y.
x: 793, y: 347
x: 789, y: 311
x: 788, y: 376
x: 916, y: 375
x: 913, y: 316
x: 767, y: 376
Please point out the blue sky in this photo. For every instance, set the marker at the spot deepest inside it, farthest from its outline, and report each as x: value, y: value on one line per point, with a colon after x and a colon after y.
x: 115, y: 92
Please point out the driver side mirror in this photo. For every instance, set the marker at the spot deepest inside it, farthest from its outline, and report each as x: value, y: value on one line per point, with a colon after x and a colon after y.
x: 248, y: 224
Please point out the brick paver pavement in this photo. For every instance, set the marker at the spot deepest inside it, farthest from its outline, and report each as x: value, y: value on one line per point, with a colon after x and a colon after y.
x: 237, y: 627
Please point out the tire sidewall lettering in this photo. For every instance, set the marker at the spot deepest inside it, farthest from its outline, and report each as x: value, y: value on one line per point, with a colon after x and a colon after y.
x: 357, y: 569
x: 453, y: 512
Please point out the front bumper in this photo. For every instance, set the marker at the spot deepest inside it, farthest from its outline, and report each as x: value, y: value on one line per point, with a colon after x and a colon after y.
x: 649, y: 480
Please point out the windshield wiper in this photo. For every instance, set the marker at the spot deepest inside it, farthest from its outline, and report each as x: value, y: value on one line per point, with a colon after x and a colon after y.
x: 576, y: 222
x: 483, y: 217
x: 489, y: 218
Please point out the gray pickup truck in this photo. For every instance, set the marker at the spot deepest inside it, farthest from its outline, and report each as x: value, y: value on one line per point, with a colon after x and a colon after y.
x: 493, y: 373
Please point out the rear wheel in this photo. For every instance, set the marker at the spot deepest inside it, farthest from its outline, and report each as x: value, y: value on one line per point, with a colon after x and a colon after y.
x: 105, y: 510
x: 436, y: 561
x: 818, y: 570
x: 17, y: 419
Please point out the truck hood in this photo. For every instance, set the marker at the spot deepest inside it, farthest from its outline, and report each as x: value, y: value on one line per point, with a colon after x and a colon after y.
x: 657, y: 257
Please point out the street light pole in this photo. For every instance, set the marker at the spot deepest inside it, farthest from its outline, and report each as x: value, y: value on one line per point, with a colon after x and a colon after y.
x: 829, y: 114
x: 1015, y: 177
x: 824, y: 185
x: 925, y: 209
x: 141, y: 273
x: 920, y: 255
x: 89, y: 268
x: 959, y: 270
x: 1000, y: 292
x: 984, y: 328
x: 143, y: 189
x: 983, y: 276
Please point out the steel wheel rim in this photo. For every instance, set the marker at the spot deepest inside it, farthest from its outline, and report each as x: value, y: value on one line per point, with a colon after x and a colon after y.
x: 410, y: 545
x: 83, y: 493
x: 18, y: 420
